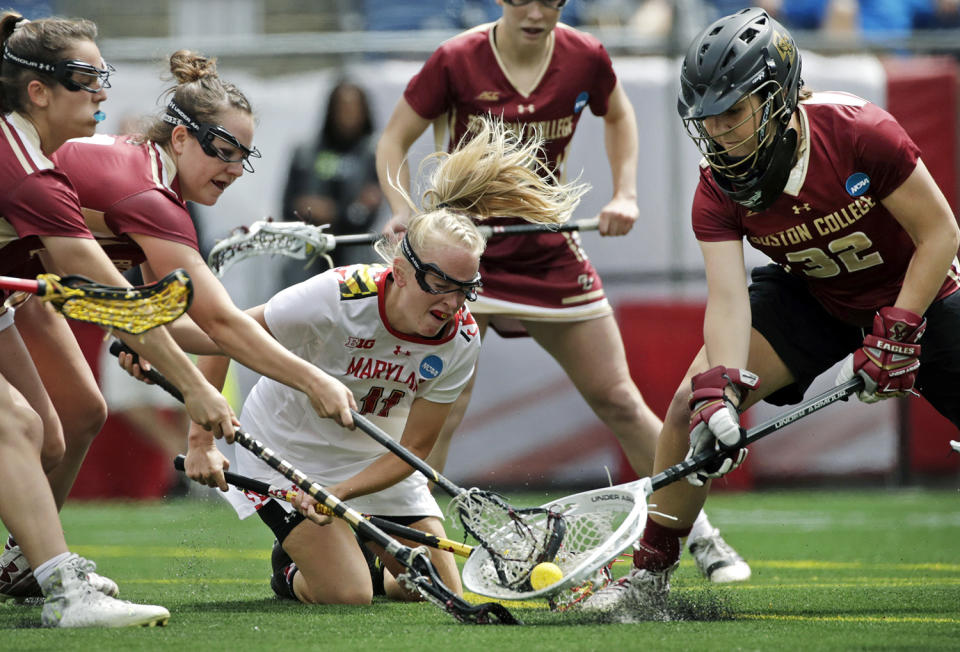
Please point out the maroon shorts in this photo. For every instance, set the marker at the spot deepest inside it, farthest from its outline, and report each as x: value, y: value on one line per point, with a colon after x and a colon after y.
x: 538, y: 277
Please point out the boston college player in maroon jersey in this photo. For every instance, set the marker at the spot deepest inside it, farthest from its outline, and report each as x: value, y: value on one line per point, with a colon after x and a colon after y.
x: 864, y: 246
x: 133, y: 191
x: 539, y: 74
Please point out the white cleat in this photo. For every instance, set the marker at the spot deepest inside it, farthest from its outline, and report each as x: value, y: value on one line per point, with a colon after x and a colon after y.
x: 74, y: 601
x: 18, y: 583
x: 717, y: 561
x: 639, y: 595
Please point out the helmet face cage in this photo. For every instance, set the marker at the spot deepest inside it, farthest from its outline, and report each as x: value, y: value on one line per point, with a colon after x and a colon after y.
x: 741, y: 55
x: 729, y: 161
x: 422, y: 270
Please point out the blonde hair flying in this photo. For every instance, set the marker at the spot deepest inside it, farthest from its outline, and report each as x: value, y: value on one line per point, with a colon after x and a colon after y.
x: 493, y: 172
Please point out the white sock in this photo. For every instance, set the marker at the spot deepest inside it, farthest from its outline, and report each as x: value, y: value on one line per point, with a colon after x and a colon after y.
x: 45, y: 570
x: 701, y: 527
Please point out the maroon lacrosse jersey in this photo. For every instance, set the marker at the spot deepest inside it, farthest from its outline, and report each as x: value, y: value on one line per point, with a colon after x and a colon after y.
x: 134, y: 185
x: 37, y: 199
x: 466, y: 78
x: 829, y: 227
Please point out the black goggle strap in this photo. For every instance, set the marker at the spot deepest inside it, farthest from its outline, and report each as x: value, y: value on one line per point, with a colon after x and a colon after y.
x: 205, y: 133
x: 62, y: 71
x: 469, y: 288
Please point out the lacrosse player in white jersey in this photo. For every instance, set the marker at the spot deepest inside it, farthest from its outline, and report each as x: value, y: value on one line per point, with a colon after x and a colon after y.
x: 401, y: 338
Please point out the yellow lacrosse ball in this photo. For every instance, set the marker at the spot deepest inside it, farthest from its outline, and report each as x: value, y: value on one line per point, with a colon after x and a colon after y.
x: 545, y: 574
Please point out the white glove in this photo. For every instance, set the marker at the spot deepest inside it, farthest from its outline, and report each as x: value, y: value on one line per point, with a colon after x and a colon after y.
x: 723, y: 426
x: 714, y: 421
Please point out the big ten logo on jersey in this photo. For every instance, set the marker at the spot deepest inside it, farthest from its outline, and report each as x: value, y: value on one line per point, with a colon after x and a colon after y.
x: 585, y: 281
x: 359, y: 343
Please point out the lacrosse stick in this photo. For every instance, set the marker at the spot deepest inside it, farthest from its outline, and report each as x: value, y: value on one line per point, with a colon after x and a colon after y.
x: 514, y: 539
x: 264, y: 489
x: 302, y: 241
x: 421, y: 575
x: 602, y: 523
x: 297, y: 240
x: 132, y: 310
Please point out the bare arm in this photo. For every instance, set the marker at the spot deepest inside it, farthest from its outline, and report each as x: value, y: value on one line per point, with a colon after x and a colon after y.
x: 726, y: 324
x: 240, y: 337
x: 620, y: 138
x: 419, y: 435
x: 402, y: 130
x: 184, y: 330
x: 922, y: 210
x: 204, y: 404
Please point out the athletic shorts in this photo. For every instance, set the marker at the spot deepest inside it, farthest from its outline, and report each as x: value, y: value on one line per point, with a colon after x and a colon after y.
x: 809, y: 340
x: 282, y: 521
x: 538, y: 277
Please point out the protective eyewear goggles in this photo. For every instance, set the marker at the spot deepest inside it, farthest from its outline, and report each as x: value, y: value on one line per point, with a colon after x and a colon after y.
x: 73, y: 74
x: 550, y: 4
x: 214, y: 140
x: 433, y: 280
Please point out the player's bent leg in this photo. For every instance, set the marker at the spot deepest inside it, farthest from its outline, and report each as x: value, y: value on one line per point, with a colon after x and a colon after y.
x: 330, y: 566
x: 30, y: 514
x: 17, y: 367
x: 604, y: 381
x: 444, y: 562
x: 70, y: 384
x: 441, y: 449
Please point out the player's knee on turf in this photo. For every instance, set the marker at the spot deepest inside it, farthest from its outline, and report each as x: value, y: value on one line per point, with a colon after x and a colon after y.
x: 355, y: 594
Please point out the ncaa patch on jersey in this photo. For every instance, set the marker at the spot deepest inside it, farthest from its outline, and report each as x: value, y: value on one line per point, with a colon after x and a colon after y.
x: 431, y: 367
x: 581, y: 101
x: 857, y: 184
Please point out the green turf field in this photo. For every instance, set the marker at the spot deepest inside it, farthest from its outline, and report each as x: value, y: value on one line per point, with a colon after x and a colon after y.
x: 832, y: 570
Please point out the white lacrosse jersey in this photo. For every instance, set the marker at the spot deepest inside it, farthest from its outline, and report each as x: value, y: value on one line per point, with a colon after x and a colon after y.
x: 337, y: 321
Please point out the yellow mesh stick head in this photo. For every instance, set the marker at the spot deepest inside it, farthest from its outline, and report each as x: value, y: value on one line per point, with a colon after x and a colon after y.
x: 132, y: 310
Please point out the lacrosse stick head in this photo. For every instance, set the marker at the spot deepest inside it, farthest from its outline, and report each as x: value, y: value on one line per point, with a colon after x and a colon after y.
x: 132, y: 310
x: 515, y: 539
x: 599, y: 525
x: 297, y: 240
x: 422, y: 576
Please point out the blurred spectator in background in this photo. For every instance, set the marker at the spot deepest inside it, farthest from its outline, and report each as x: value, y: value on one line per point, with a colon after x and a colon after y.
x: 334, y: 179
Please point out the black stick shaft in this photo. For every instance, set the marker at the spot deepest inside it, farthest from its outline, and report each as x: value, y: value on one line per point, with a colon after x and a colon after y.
x: 390, y: 444
x: 118, y: 347
x: 413, y: 534
x: 487, y: 230
x: 686, y: 467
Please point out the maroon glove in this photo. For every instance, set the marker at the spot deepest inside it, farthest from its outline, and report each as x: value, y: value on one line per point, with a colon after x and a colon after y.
x: 890, y: 356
